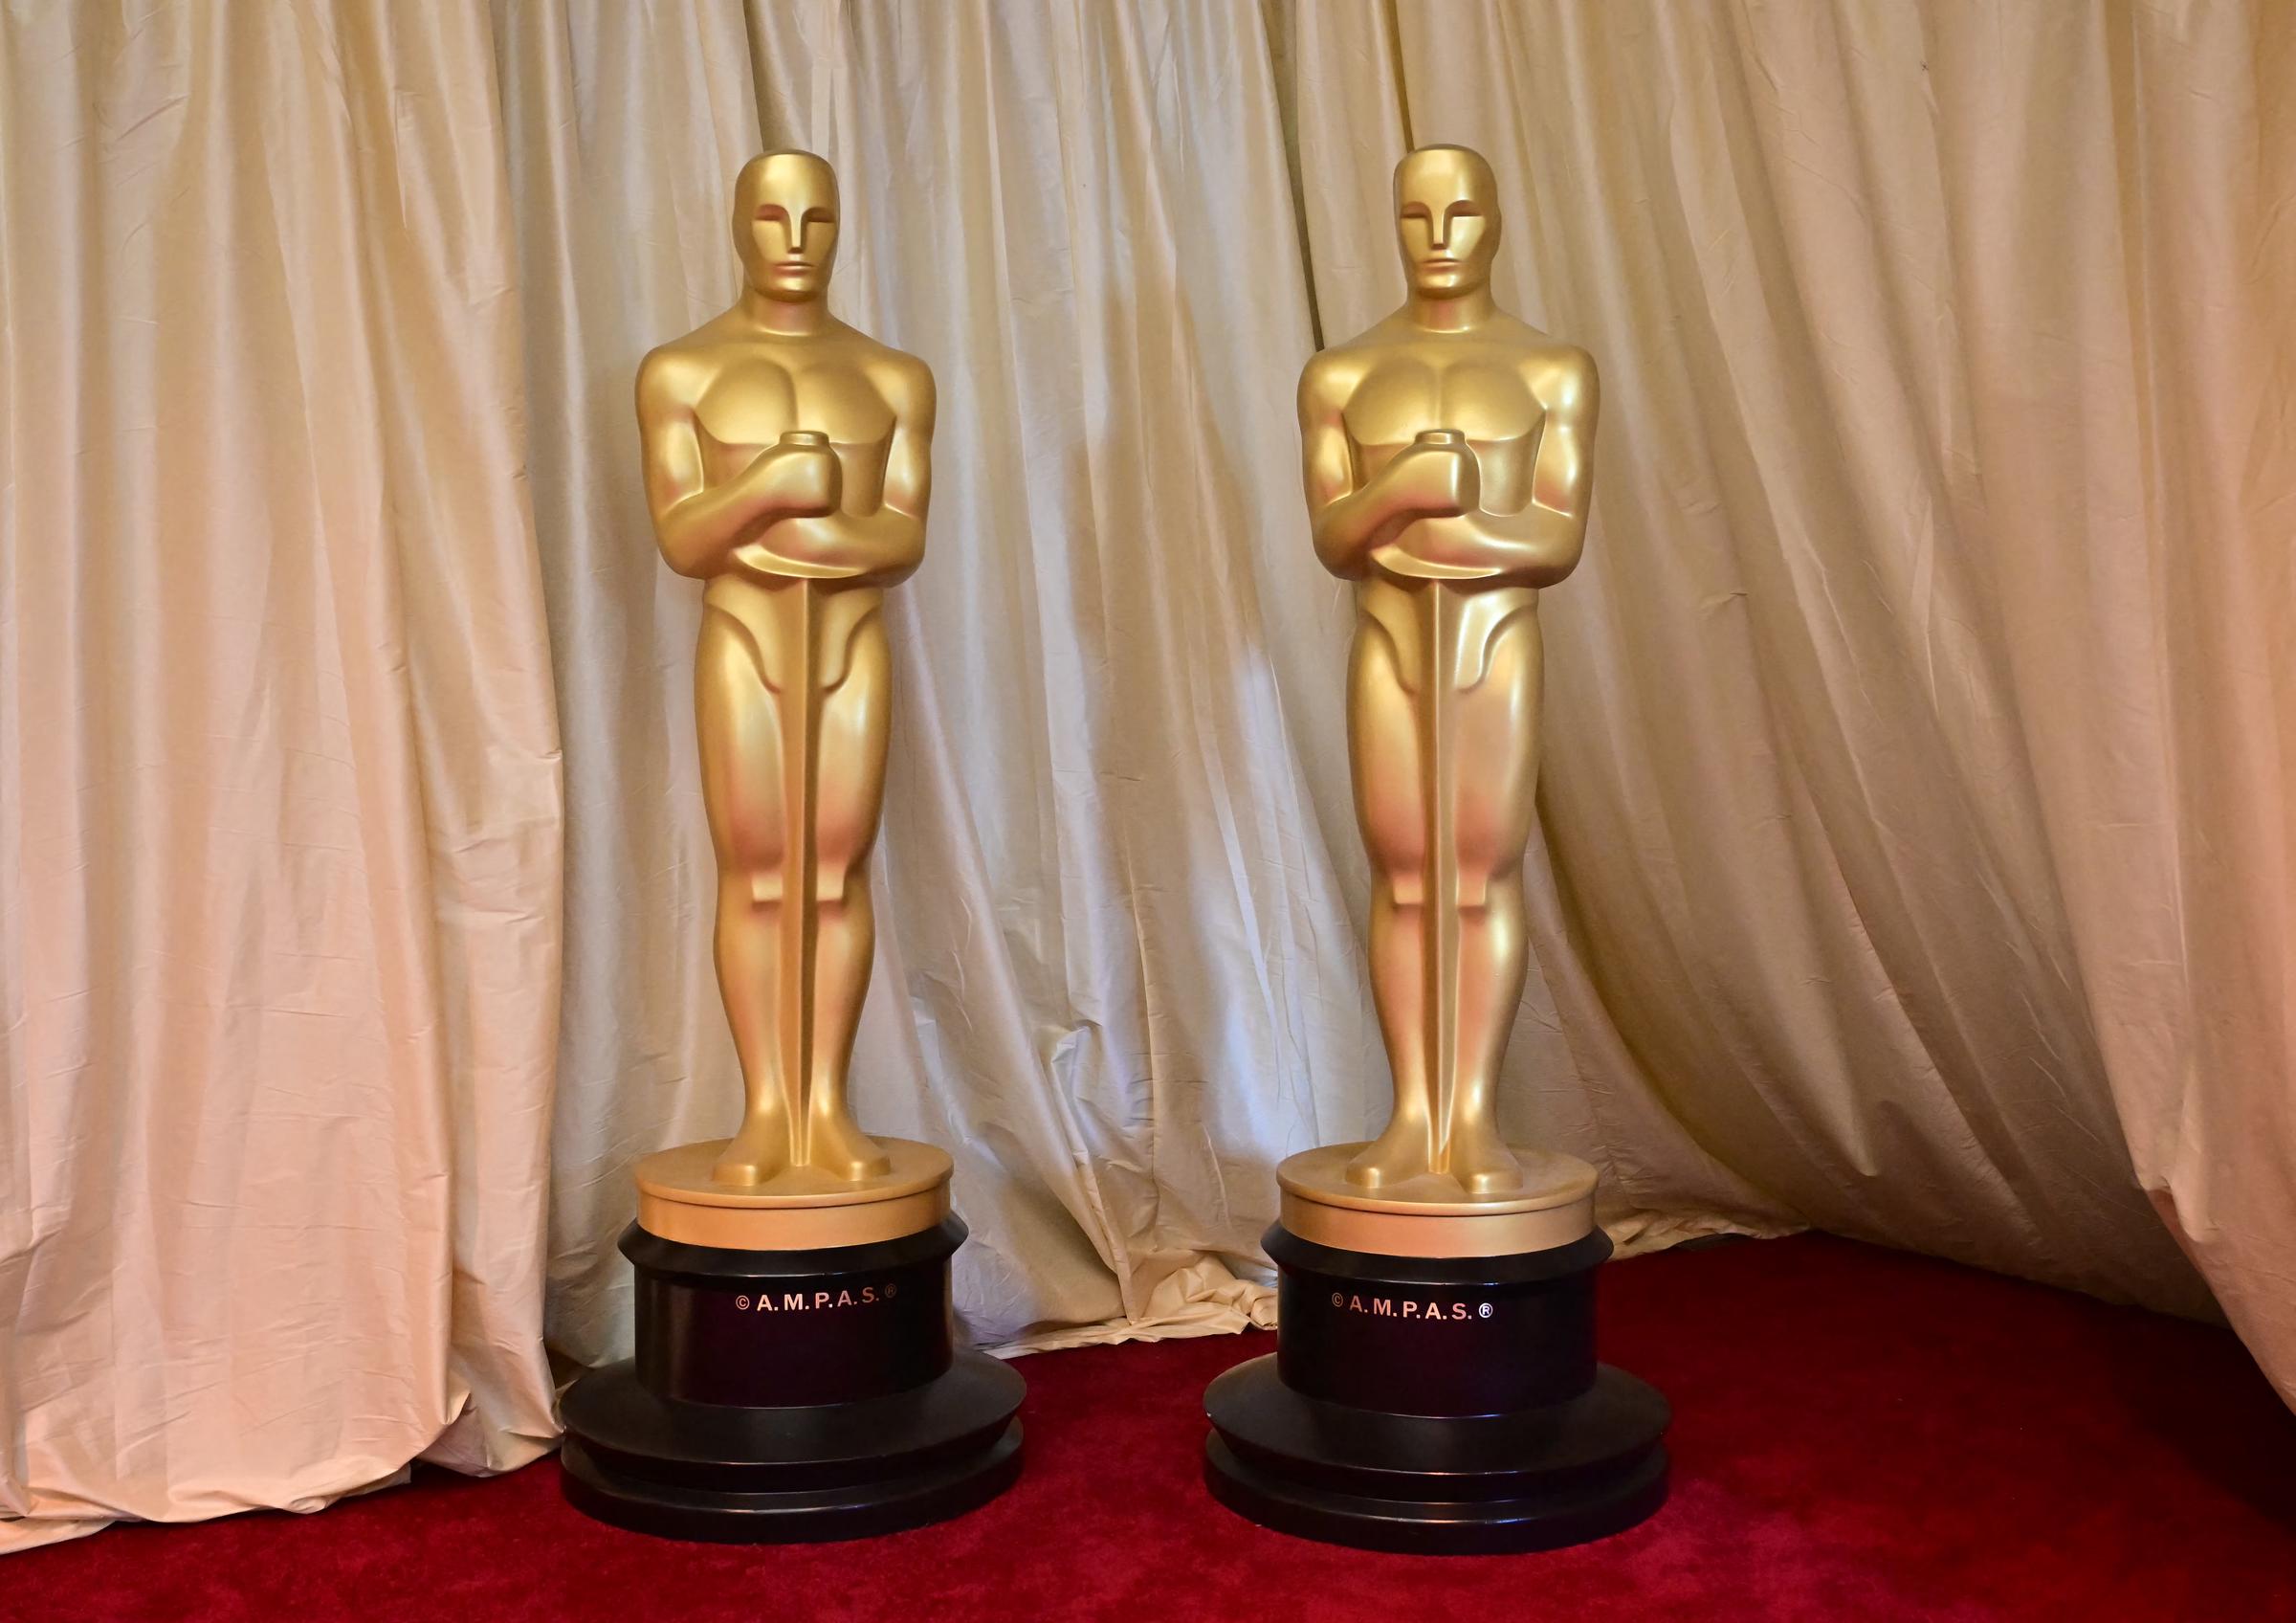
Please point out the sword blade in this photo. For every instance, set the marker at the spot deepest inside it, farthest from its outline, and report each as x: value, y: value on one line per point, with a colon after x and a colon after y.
x: 1439, y: 930
x: 801, y: 781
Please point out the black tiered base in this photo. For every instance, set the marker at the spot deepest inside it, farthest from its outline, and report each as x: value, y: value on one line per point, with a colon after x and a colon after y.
x: 785, y: 1396
x: 1441, y: 1406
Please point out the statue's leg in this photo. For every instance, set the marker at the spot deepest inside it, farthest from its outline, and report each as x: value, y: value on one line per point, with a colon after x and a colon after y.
x: 1382, y: 730
x: 1498, y: 777
x: 853, y: 730
x: 742, y: 787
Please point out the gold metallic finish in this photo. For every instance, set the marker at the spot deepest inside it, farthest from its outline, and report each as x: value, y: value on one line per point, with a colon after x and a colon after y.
x: 787, y: 464
x: 680, y: 1198
x: 1449, y: 467
x: 1431, y: 1215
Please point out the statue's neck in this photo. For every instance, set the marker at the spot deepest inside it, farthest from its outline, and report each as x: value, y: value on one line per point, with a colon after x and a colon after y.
x: 784, y: 318
x: 1461, y: 312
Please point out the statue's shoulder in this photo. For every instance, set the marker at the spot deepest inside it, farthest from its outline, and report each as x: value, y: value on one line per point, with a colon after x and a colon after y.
x: 904, y: 376
x: 1533, y: 348
x: 1374, y: 343
x: 676, y: 374
x: 1560, y: 373
x: 1345, y: 365
x: 1331, y: 375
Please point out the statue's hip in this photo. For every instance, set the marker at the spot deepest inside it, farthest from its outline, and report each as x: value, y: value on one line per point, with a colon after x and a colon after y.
x: 801, y: 632
x: 1445, y: 632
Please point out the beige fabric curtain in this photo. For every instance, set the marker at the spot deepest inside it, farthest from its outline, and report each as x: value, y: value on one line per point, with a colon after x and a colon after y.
x: 1916, y: 845
x: 1920, y: 785
x: 279, y: 800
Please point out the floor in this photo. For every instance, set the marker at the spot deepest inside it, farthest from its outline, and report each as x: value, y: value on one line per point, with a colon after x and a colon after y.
x: 1859, y: 1434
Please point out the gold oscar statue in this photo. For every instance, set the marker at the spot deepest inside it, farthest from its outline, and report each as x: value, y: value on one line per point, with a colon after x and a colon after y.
x: 787, y: 464
x: 1435, y: 1385
x: 798, y: 1375
x: 1449, y: 466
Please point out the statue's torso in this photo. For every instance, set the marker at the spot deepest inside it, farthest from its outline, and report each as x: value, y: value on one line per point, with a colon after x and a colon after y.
x: 1475, y: 385
x: 751, y: 390
x: 756, y: 389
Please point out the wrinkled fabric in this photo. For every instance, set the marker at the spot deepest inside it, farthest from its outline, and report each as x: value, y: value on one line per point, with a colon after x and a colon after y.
x: 1915, y: 849
x: 279, y: 795
x: 1917, y: 786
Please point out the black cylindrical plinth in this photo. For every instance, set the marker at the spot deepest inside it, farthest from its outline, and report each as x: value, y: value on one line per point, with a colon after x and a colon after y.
x: 791, y: 1395
x: 1415, y: 1335
x: 781, y: 1328
x: 1443, y: 1405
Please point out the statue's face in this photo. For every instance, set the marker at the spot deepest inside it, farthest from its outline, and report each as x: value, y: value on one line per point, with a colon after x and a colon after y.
x: 785, y: 224
x: 1446, y: 220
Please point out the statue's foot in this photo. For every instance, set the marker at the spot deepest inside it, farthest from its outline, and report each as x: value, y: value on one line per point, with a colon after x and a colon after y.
x: 1399, y: 1153
x: 758, y: 1152
x: 1483, y: 1164
x: 844, y: 1150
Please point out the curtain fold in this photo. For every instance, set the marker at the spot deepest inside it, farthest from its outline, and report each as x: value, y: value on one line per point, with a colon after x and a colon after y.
x: 278, y: 778
x: 1942, y: 548
x: 1914, y: 850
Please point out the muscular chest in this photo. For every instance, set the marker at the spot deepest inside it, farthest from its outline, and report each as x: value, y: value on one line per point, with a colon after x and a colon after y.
x: 1403, y: 397
x: 752, y: 401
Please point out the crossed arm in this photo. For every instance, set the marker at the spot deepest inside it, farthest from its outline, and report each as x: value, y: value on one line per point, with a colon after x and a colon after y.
x: 783, y: 515
x: 1535, y: 546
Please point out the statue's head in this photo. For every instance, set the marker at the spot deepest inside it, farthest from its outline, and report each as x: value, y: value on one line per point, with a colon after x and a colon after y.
x: 785, y: 224
x: 1446, y: 220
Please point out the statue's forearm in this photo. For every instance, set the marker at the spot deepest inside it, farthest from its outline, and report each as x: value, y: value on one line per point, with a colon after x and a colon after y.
x: 1537, y: 545
x: 699, y: 534
x: 1350, y: 529
x: 885, y: 547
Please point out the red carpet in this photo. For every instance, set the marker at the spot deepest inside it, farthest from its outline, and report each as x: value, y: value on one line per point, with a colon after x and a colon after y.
x: 1858, y: 1435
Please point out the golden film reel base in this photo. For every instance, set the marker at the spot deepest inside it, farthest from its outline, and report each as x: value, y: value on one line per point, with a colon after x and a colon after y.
x: 801, y: 1210
x: 1431, y: 1215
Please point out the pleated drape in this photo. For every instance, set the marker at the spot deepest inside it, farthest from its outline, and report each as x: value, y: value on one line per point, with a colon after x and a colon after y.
x: 1915, y: 838
x: 1943, y: 587
x: 279, y: 802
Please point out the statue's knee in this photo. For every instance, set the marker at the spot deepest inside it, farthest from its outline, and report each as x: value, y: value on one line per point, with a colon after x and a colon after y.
x: 761, y: 887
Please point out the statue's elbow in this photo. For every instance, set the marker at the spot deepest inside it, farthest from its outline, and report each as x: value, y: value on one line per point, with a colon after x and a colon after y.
x: 683, y: 558
x: 1348, y: 562
x: 1559, y: 561
x: 906, y: 553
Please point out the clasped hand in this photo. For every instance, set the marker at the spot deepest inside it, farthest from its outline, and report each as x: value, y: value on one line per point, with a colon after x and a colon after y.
x: 792, y: 484
x: 800, y: 481
x: 1434, y: 482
